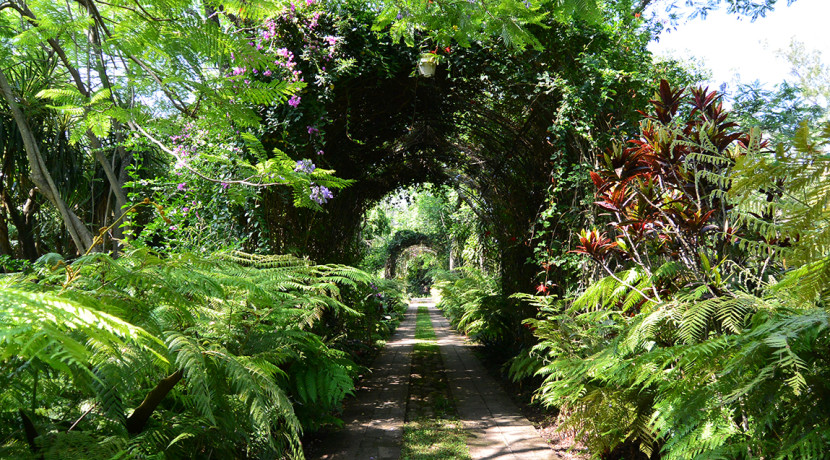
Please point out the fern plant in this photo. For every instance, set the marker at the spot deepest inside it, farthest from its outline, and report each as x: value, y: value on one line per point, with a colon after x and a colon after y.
x: 175, y: 353
x: 475, y: 306
x: 690, y: 347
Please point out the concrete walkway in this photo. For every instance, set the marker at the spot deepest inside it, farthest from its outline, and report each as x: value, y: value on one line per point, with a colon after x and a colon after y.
x: 375, y: 418
x: 497, y: 428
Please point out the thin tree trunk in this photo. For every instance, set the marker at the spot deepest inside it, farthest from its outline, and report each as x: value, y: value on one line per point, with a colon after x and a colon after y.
x: 97, y: 146
x: 23, y: 223
x: 5, y: 243
x: 138, y: 419
x: 40, y: 174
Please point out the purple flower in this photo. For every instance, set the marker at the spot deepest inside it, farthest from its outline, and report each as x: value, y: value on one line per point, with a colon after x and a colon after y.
x: 267, y: 73
x: 319, y: 152
x: 304, y: 165
x: 294, y: 101
x: 312, y: 130
x: 184, y: 210
x: 320, y: 194
x: 225, y: 185
x: 182, y: 187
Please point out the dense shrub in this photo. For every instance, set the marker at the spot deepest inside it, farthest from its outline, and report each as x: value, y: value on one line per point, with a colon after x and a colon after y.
x: 691, y: 347
x: 475, y: 306
x: 179, y: 355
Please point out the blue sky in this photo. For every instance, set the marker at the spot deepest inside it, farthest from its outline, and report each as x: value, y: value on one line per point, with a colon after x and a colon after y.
x: 738, y: 49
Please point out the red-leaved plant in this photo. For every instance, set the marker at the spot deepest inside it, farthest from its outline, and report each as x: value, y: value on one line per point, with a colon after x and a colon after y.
x: 663, y: 190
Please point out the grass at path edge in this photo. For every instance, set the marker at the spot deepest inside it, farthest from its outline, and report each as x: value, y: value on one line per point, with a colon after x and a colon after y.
x: 436, y: 438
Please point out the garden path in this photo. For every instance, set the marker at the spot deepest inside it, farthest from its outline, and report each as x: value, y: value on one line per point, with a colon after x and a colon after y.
x: 496, y: 427
x: 374, y: 419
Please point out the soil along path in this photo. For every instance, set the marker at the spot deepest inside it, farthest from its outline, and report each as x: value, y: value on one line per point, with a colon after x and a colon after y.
x: 374, y: 420
x: 496, y: 427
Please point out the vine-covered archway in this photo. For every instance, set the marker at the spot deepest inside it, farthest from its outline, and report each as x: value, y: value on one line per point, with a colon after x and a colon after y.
x: 402, y: 241
x: 477, y: 125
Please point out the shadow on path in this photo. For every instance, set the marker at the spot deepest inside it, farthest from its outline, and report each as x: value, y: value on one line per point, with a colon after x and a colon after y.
x: 496, y: 426
x: 374, y: 419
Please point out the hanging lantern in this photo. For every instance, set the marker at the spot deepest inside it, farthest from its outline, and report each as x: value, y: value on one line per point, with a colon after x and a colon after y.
x: 427, y: 64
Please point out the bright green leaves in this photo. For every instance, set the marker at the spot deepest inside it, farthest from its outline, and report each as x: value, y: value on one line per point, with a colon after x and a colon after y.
x: 239, y: 328
x: 66, y: 335
x: 784, y: 198
x: 468, y: 21
x: 302, y: 176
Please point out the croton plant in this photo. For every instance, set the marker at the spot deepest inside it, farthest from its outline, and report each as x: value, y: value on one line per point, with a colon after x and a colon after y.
x: 663, y: 190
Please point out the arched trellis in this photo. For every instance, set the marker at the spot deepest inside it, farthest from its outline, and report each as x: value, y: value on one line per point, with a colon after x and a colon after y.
x: 403, y: 240
x: 485, y: 123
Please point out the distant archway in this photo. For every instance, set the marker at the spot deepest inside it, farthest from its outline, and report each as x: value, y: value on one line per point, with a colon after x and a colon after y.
x: 402, y: 241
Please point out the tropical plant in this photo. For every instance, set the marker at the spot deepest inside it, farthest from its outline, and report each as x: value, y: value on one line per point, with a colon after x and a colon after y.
x: 213, y: 354
x: 475, y: 306
x: 717, y: 356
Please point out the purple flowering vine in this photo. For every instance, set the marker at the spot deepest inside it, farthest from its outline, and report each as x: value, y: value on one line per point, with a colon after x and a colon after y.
x: 320, y: 194
x: 305, y: 166
x: 294, y: 101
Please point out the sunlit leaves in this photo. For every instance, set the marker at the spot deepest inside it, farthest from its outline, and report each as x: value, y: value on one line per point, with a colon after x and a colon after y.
x: 468, y: 21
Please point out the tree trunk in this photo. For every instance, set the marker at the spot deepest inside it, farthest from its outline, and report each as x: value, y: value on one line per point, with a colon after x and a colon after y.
x: 40, y: 174
x: 5, y: 243
x: 24, y: 224
x: 138, y: 419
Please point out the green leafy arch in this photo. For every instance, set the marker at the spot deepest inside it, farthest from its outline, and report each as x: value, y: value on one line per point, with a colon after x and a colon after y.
x: 403, y: 240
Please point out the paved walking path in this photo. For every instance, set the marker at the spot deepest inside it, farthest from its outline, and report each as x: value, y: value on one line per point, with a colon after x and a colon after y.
x: 375, y: 418
x: 497, y: 428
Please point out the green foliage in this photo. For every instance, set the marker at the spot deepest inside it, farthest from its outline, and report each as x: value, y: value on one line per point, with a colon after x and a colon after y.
x: 783, y: 197
x: 713, y: 359
x: 778, y: 113
x: 419, y: 269
x: 505, y: 21
x: 475, y: 306
x: 86, y: 341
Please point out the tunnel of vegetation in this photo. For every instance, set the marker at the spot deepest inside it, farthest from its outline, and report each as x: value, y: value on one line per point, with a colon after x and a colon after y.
x: 648, y: 264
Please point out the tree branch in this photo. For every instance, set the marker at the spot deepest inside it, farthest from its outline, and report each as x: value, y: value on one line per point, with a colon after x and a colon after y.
x: 138, y: 419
